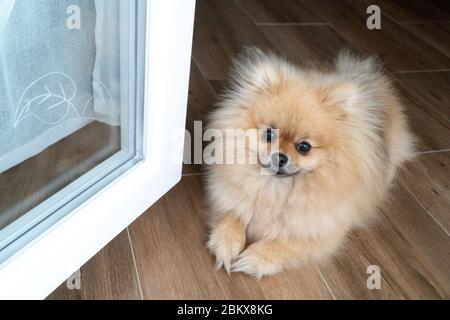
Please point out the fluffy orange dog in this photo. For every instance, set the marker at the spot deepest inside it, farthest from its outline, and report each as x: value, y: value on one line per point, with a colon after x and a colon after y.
x: 340, y: 136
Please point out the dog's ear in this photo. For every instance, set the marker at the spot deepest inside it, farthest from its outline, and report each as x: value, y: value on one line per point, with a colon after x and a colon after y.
x: 256, y: 71
x: 353, y: 66
x: 343, y: 96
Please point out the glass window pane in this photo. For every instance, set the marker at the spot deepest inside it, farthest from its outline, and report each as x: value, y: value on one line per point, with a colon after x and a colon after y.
x: 71, y: 76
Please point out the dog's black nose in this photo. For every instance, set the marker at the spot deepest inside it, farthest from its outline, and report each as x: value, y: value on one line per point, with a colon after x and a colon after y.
x: 280, y: 159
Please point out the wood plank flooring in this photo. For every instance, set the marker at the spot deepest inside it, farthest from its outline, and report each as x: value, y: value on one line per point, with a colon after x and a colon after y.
x: 162, y: 255
x: 37, y: 178
x: 415, y: 10
x: 110, y: 274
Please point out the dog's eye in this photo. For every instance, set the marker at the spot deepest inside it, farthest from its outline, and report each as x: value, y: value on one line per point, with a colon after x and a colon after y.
x: 303, y: 147
x: 269, y: 135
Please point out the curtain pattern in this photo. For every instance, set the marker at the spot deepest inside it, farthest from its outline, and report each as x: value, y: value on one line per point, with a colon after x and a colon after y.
x: 55, y: 76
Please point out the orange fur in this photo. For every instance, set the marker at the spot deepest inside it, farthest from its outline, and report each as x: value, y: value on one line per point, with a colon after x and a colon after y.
x: 359, y: 134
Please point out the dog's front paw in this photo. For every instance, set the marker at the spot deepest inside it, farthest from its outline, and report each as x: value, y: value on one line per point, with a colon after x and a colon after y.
x: 258, y: 260
x: 226, y: 246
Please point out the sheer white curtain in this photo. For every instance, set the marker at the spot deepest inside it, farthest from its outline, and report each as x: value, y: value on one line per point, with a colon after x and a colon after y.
x: 55, y: 79
x: 5, y: 10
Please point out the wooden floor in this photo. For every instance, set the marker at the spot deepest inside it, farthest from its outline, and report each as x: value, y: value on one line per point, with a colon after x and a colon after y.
x: 162, y: 255
x: 36, y: 179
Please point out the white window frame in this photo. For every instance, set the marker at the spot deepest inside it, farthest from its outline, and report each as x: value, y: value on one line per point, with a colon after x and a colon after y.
x: 43, y: 264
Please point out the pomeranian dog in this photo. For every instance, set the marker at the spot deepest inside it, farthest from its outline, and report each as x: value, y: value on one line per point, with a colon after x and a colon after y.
x: 333, y: 140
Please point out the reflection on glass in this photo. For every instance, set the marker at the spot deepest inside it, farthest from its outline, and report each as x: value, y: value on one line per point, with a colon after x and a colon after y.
x: 64, y: 94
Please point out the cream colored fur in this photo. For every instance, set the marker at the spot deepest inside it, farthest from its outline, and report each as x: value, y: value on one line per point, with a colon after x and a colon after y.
x: 262, y: 224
